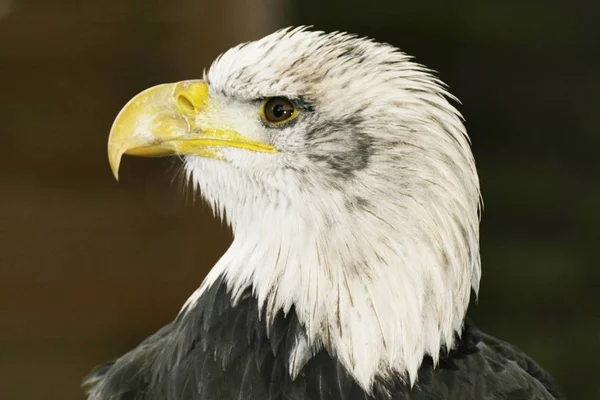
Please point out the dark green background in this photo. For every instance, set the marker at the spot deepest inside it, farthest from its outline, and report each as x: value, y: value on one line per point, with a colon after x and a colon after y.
x: 89, y: 267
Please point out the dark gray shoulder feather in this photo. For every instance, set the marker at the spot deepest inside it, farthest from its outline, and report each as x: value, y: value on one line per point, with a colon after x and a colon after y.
x: 220, y: 351
x: 510, y: 353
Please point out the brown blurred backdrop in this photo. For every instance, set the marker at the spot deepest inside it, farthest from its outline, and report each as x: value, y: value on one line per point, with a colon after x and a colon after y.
x: 89, y: 267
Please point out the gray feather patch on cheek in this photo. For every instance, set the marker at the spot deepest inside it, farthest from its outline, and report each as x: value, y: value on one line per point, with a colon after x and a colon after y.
x: 339, y: 148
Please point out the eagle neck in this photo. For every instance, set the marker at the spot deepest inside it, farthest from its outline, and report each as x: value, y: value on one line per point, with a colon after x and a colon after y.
x: 372, y: 293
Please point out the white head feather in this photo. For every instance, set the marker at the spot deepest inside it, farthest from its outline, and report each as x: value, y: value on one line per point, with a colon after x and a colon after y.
x: 367, y: 220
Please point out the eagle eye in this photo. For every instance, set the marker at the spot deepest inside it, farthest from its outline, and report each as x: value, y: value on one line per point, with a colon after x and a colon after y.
x: 277, y: 110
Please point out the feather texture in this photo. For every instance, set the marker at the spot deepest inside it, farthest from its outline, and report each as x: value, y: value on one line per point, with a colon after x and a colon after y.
x: 366, y: 221
x: 221, y: 351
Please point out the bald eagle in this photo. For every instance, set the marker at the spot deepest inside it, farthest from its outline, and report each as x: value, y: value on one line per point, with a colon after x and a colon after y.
x: 348, y: 180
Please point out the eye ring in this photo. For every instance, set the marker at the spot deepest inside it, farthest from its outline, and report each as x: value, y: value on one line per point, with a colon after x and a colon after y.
x: 278, y: 110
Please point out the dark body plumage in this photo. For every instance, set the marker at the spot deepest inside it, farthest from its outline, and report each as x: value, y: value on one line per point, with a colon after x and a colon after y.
x: 216, y: 351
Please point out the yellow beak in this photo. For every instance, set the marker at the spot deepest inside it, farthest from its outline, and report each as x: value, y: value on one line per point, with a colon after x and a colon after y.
x: 161, y: 121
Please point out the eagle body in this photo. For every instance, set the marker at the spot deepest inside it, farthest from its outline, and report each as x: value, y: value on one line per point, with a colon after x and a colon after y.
x: 347, y: 178
x: 220, y: 351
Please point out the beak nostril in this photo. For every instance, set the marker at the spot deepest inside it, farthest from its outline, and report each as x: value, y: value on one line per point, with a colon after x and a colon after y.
x: 185, y: 104
x: 190, y: 96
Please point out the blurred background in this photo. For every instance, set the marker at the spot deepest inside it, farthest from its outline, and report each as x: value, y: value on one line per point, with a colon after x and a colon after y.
x: 89, y: 267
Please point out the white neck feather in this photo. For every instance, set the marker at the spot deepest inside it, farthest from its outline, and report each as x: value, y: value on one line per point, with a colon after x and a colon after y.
x: 379, y: 285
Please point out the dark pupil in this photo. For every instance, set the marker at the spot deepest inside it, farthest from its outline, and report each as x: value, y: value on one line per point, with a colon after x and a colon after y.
x: 278, y: 110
